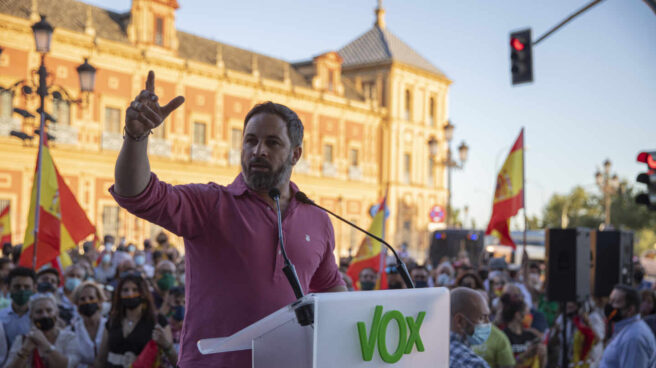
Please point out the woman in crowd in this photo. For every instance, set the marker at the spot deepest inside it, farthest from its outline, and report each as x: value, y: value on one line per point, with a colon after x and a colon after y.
x: 88, y: 298
x: 470, y: 280
x: 526, y: 345
x: 648, y: 303
x: 46, y: 344
x: 132, y: 323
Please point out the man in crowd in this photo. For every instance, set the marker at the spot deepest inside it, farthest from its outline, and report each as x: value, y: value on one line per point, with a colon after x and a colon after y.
x: 105, y: 271
x: 234, y: 264
x: 632, y: 343
x: 470, y: 325
x: 367, y: 279
x: 419, y: 275
x: 6, y: 265
x: 15, y: 319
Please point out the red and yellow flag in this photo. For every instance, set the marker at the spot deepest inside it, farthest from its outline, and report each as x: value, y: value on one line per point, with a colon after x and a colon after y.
x: 509, y: 193
x: 5, y: 226
x: 62, y: 222
x: 371, y: 253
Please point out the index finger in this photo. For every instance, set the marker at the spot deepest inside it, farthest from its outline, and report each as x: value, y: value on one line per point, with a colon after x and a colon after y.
x: 150, y: 81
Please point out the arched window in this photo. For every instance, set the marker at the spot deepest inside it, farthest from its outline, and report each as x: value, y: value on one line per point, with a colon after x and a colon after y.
x: 431, y: 111
x: 407, y: 112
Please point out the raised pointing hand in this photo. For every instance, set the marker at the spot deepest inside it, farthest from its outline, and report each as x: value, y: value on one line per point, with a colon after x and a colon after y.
x: 145, y: 113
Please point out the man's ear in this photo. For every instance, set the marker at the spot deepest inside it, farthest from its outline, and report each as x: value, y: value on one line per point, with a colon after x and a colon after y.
x: 296, y: 154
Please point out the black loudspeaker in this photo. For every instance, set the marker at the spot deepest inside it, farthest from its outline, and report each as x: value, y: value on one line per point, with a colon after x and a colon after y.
x: 568, y: 264
x: 612, y: 261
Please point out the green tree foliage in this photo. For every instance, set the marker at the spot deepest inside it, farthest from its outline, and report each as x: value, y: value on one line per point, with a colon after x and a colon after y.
x: 586, y: 209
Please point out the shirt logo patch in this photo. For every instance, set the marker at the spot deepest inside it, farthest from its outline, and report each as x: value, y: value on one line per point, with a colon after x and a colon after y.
x: 307, y: 238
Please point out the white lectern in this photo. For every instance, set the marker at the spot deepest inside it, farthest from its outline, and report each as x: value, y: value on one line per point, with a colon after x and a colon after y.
x: 396, y: 328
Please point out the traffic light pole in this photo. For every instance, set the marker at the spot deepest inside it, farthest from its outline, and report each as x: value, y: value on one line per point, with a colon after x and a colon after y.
x: 567, y: 20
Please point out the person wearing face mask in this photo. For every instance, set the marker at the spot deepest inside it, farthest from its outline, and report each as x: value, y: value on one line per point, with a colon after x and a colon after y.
x: 73, y: 277
x: 15, y: 319
x: 88, y: 298
x: 47, y: 281
x: 133, y: 322
x: 105, y: 271
x: 163, y: 281
x: 496, y: 351
x: 631, y: 344
x: 526, y: 344
x: 470, y: 325
x: 176, y: 311
x: 419, y: 275
x: 141, y: 265
x: 6, y: 265
x: 394, y: 279
x: 45, y: 344
x: 367, y: 279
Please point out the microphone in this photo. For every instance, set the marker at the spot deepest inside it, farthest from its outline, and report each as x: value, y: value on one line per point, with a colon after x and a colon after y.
x: 301, y: 197
x: 304, y: 312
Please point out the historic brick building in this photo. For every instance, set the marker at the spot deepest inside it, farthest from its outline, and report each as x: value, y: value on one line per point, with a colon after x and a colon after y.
x: 369, y: 110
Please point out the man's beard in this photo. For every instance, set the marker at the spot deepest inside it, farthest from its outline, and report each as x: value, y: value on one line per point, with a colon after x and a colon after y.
x: 264, y: 180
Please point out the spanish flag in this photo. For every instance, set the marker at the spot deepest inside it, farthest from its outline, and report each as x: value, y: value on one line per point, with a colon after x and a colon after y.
x: 62, y: 222
x: 509, y: 193
x: 371, y: 253
x: 5, y: 226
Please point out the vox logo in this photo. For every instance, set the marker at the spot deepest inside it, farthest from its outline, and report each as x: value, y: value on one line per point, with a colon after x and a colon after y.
x: 377, y: 337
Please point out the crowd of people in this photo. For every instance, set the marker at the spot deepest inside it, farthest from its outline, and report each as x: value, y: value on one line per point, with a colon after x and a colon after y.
x: 501, y: 316
x: 118, y: 306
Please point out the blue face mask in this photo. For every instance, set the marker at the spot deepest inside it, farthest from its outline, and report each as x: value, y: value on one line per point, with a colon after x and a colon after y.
x: 71, y: 283
x: 481, y: 333
x: 139, y: 260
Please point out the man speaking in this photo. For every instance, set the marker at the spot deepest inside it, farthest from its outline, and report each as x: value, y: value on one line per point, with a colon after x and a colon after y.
x: 233, y: 260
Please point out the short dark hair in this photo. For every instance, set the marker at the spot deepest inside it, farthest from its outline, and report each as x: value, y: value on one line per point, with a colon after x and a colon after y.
x: 511, y: 304
x: 631, y: 296
x: 49, y: 270
x: 294, y: 124
x: 21, y: 272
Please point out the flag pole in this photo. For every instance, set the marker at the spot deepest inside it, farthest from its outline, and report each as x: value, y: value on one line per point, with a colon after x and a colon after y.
x: 42, y: 136
x: 383, y: 250
x: 524, y: 189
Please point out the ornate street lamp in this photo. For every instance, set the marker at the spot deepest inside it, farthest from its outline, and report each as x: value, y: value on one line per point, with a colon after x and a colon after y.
x: 42, y: 35
x: 449, y: 162
x: 608, y: 185
x: 42, y: 38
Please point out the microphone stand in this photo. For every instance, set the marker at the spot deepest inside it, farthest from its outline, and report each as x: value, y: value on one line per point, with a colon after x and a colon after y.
x: 304, y: 312
x: 403, y: 270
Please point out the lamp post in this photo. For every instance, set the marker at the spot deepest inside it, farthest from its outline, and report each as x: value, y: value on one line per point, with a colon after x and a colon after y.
x: 42, y: 38
x: 608, y: 185
x: 449, y: 162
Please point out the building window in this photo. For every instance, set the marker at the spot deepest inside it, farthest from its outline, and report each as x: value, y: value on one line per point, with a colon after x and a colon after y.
x: 112, y: 120
x: 407, y: 107
x: 353, y: 239
x: 369, y: 90
x: 407, y: 161
x: 6, y: 103
x: 353, y: 158
x: 431, y: 171
x: 62, y: 112
x: 235, y: 139
x: 431, y: 111
x: 328, y: 153
x: 159, y: 31
x: 110, y: 220
x: 200, y: 134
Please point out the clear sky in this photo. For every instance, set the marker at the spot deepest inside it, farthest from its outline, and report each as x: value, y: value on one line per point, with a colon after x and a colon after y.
x: 593, y: 96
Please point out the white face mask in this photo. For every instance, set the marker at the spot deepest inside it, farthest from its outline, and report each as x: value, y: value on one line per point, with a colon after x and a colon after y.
x: 108, y: 246
x: 106, y: 307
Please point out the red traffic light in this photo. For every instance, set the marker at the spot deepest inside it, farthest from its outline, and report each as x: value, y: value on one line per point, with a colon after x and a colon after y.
x: 648, y: 158
x: 516, y: 44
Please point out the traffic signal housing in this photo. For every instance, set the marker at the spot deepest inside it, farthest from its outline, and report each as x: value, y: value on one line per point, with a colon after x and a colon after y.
x: 649, y: 178
x: 521, y: 56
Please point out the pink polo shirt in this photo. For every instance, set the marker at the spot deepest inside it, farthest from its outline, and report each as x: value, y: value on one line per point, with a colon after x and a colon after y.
x: 233, y: 264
